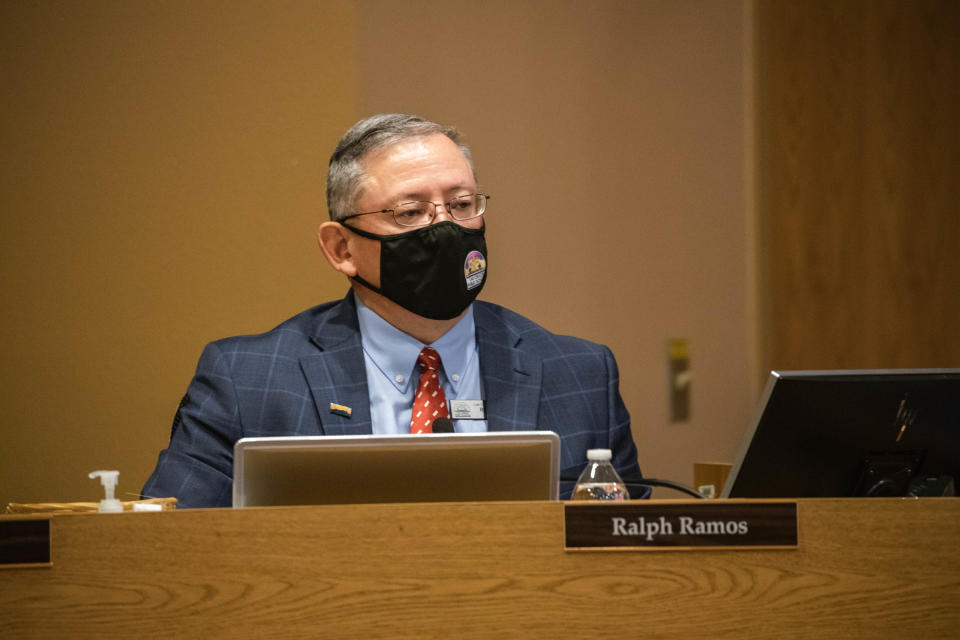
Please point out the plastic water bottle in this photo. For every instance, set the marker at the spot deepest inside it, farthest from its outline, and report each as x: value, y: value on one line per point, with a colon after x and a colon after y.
x: 600, y: 481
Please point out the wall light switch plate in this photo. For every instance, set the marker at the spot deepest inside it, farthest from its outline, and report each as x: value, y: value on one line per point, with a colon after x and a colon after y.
x: 678, y: 350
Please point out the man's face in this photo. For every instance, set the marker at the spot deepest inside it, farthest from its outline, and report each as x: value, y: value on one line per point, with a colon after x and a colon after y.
x: 427, y: 169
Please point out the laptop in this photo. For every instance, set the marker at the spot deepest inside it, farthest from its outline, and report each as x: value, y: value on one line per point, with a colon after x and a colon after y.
x: 437, y: 467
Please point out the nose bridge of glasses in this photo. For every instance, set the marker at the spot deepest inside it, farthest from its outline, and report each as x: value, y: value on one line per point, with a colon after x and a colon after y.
x: 442, y: 208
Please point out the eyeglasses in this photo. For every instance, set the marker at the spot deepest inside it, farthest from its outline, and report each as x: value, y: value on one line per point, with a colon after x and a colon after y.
x: 420, y: 214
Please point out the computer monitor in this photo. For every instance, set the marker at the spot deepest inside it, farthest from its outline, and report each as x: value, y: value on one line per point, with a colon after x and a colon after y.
x: 852, y: 433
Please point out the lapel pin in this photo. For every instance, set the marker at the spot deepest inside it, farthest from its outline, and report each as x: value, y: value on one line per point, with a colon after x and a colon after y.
x: 340, y: 410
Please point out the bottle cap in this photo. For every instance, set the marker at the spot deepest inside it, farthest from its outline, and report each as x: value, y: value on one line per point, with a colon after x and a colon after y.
x: 596, y: 455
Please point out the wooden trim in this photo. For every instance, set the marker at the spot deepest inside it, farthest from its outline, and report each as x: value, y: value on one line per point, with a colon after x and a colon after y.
x: 864, y: 569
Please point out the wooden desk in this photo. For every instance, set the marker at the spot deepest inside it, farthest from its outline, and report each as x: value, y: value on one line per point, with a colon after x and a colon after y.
x: 864, y: 569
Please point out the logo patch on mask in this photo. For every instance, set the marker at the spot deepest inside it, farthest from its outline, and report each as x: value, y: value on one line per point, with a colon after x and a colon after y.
x: 473, y: 269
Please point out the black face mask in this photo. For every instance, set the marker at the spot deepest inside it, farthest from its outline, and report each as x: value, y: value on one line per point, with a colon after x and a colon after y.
x: 434, y: 271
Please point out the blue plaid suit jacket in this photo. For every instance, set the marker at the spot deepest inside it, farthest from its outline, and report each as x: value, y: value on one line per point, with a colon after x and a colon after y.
x: 282, y: 383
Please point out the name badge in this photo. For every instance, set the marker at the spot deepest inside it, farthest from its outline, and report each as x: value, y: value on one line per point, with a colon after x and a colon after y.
x: 467, y: 410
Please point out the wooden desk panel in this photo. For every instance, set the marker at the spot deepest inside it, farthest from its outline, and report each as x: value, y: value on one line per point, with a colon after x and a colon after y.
x: 865, y: 568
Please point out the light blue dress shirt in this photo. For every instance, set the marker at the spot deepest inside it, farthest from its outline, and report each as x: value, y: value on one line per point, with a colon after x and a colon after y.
x: 390, y: 357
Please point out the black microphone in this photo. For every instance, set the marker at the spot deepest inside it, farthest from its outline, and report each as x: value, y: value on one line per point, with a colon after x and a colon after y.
x: 443, y: 425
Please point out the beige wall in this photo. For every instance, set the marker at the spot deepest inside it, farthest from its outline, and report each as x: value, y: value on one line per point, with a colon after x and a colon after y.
x: 611, y: 136
x: 162, y: 176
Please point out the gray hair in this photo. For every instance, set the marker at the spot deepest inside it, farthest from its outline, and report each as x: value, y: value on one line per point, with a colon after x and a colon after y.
x: 346, y: 174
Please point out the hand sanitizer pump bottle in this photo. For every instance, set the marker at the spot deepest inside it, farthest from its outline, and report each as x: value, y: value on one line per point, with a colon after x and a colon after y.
x: 109, y: 481
x: 599, y: 480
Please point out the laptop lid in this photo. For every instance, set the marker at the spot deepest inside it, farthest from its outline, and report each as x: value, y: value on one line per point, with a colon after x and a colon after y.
x: 438, y: 467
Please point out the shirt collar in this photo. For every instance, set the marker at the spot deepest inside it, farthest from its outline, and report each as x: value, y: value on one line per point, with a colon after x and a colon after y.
x: 395, y: 353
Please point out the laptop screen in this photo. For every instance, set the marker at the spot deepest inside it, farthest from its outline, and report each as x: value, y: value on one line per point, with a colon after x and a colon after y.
x: 439, y: 467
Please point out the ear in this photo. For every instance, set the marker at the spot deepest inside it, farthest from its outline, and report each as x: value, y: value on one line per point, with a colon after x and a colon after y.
x: 334, y: 241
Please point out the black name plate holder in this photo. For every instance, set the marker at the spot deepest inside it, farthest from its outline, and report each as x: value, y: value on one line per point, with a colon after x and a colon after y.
x: 710, y: 524
x: 25, y: 542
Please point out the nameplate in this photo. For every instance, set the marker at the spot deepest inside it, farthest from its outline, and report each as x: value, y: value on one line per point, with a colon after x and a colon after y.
x: 713, y: 524
x: 466, y: 409
x: 24, y: 543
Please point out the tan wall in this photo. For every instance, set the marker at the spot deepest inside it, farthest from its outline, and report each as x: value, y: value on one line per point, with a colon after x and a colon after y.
x: 612, y: 138
x: 162, y: 177
x: 161, y: 181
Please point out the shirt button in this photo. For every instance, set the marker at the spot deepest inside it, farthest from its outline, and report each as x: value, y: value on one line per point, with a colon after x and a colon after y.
x: 399, y: 378
x: 455, y: 377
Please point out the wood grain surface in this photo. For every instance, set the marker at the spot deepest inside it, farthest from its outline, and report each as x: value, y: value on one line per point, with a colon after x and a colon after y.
x: 858, y: 156
x: 864, y: 569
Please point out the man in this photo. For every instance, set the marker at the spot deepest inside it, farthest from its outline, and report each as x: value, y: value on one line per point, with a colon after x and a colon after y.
x: 407, y: 229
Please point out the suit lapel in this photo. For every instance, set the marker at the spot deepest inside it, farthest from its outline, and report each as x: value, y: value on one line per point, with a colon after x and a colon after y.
x: 511, y: 377
x: 337, y: 376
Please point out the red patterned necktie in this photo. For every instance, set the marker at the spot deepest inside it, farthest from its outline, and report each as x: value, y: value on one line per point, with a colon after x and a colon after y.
x: 430, y: 402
